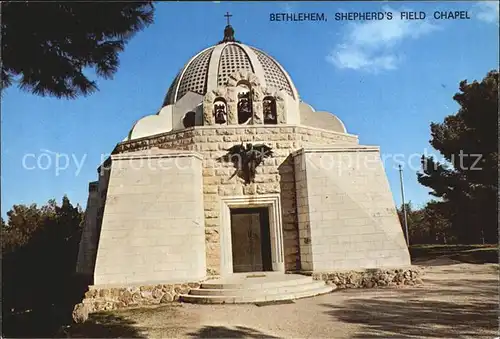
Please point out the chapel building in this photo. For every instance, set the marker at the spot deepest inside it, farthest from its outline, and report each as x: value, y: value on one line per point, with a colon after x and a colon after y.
x: 235, y: 173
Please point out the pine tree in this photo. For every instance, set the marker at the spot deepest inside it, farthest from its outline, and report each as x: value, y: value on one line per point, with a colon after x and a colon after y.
x: 48, y: 48
x: 467, y: 182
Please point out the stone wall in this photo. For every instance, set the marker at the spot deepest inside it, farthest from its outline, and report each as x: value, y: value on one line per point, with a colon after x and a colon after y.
x: 88, y: 243
x: 275, y: 175
x: 102, y: 190
x: 112, y: 298
x: 348, y: 217
x: 153, y: 205
x: 303, y: 215
x: 185, y: 139
x: 371, y: 278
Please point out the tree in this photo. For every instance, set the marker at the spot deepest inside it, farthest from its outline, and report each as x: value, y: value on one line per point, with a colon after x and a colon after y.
x: 39, y: 253
x: 436, y: 224
x: 47, y: 47
x: 466, y: 183
x: 426, y: 225
x: 23, y: 221
x: 413, y: 221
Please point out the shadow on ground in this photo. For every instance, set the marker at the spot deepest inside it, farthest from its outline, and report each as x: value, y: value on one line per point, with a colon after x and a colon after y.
x: 42, y: 323
x: 225, y: 332
x: 406, y: 314
x: 439, y: 255
x: 103, y: 325
x: 38, y: 308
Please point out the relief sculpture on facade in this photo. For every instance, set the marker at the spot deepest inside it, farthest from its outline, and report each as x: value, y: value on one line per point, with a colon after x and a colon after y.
x: 246, y: 158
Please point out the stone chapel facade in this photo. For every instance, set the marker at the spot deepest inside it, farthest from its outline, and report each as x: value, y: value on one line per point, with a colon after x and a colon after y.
x: 165, y: 208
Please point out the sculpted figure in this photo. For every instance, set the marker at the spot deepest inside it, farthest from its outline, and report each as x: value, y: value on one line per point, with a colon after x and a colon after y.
x: 244, y: 108
x: 246, y: 158
x: 220, y: 112
x: 269, y: 109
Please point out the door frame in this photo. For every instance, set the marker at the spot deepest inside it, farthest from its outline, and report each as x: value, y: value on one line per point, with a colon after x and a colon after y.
x: 273, y: 203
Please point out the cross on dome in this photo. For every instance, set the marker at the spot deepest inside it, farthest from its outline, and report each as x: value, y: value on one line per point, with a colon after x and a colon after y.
x: 228, y: 15
x: 228, y: 31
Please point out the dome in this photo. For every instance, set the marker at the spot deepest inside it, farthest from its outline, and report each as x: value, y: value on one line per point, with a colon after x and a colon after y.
x: 211, y: 68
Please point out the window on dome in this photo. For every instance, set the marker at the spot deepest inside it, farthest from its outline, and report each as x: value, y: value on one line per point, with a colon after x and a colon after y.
x: 269, y: 110
x: 245, y: 111
x: 220, y: 111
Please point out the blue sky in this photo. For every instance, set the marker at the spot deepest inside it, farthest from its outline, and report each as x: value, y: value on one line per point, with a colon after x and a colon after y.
x: 387, y: 80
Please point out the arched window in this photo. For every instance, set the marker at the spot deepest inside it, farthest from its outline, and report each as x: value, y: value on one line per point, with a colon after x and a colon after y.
x: 269, y: 110
x: 220, y: 111
x: 245, y: 110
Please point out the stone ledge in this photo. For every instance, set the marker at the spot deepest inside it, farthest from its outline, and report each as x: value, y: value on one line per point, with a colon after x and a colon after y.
x: 370, y: 278
x: 335, y: 149
x: 112, y: 298
x: 156, y: 153
x: 184, y: 138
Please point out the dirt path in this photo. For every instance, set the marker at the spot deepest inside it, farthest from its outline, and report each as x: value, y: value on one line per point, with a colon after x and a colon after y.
x: 456, y: 301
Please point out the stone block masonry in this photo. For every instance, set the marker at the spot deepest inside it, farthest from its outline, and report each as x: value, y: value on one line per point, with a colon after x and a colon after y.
x: 103, y: 298
x: 88, y: 244
x: 153, y: 206
x: 409, y: 276
x: 347, y: 216
x: 185, y: 139
x: 275, y: 175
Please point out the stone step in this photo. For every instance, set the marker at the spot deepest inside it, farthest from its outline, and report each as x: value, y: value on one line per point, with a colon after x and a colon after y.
x: 270, y: 281
x: 253, y: 290
x: 257, y: 297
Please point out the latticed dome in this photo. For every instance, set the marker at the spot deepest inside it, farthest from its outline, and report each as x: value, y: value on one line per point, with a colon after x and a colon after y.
x: 212, y: 67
